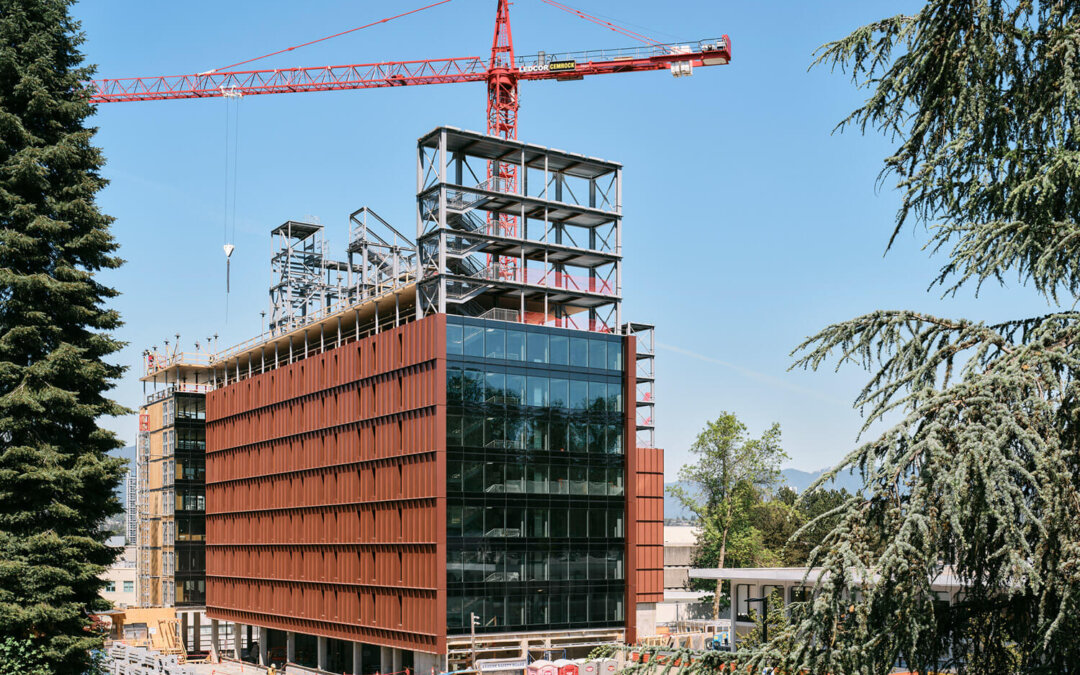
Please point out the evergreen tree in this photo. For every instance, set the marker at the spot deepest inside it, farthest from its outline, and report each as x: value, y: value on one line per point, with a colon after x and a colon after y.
x: 979, y: 476
x: 56, y: 481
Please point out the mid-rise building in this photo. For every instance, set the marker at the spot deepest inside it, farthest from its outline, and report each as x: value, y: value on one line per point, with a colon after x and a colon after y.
x: 444, y: 437
x: 171, y: 503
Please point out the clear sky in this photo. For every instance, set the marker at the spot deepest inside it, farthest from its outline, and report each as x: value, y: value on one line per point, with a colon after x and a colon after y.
x: 748, y: 225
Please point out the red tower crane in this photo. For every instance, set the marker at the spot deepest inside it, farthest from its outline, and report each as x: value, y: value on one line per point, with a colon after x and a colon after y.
x: 502, y: 73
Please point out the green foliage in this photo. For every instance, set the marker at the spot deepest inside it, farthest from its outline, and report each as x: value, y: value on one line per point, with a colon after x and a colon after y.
x: 732, y: 471
x: 56, y: 481
x: 21, y: 657
x: 978, y: 475
x: 776, y: 619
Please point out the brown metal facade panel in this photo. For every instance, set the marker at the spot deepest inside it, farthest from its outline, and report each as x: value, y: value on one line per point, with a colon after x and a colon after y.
x: 649, y: 524
x: 326, y: 489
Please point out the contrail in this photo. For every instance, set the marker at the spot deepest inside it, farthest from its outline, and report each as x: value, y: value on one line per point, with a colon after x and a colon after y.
x: 753, y: 374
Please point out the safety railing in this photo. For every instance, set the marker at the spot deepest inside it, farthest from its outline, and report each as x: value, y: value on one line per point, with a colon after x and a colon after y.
x: 379, y: 292
x: 547, y: 278
x: 154, y: 362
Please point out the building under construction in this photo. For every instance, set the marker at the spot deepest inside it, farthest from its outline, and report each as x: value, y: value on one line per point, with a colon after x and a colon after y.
x: 442, y: 449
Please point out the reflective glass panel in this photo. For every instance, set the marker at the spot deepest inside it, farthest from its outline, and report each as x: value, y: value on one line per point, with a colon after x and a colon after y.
x: 474, y: 341
x: 560, y: 350
x: 495, y: 343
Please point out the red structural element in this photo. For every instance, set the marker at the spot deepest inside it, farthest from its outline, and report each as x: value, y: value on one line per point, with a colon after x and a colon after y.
x: 644, y: 510
x: 502, y: 113
x: 325, y: 492
x: 502, y: 72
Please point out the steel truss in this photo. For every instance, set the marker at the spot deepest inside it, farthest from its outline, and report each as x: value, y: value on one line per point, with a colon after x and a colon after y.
x: 565, y: 253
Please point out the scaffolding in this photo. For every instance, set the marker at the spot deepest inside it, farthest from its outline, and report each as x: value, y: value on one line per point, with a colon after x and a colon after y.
x: 562, y: 263
x: 144, y: 549
x: 306, y: 280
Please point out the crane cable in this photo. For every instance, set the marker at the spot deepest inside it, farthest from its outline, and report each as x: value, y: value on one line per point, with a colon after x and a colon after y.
x: 344, y: 32
x: 232, y: 99
x: 622, y: 30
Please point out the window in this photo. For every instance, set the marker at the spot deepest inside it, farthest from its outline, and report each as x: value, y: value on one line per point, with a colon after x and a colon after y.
x: 742, y: 604
x: 495, y: 343
x: 110, y: 586
x: 767, y: 592
x: 614, y: 355
x: 579, y: 394
x: 129, y: 586
x: 559, y: 396
x: 799, y: 594
x: 454, y: 377
x: 597, y: 354
x: 579, y: 352
x: 515, y: 345
x: 560, y: 350
x: 538, y: 347
x: 474, y: 341
x: 538, y: 391
x: 454, y: 339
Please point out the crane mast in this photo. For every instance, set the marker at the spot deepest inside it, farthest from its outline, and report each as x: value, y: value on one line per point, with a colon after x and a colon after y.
x: 502, y: 113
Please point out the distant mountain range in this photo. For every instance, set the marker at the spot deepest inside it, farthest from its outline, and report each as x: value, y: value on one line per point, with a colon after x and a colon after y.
x: 793, y: 478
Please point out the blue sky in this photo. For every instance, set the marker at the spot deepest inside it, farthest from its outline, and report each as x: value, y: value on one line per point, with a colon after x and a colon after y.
x: 748, y: 225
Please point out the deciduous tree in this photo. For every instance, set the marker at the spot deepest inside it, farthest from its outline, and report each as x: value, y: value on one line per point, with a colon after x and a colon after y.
x: 730, y: 471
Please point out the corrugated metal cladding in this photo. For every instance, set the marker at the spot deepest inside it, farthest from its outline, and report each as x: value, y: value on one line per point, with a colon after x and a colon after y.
x: 325, y: 493
x: 649, y: 523
x: 644, y: 510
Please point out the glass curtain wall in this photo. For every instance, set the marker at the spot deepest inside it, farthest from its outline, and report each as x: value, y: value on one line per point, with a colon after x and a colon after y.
x: 190, y: 499
x: 536, y: 420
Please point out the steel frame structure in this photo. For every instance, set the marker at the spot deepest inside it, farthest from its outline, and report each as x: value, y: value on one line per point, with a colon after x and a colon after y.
x: 379, y: 256
x: 567, y: 253
x: 304, y: 284
x: 645, y: 381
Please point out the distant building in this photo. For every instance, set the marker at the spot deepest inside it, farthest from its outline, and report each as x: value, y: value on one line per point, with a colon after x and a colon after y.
x: 131, y: 515
x: 121, y: 578
x: 680, y: 602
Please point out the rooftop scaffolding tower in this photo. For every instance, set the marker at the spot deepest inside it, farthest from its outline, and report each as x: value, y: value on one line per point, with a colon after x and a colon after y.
x: 306, y: 281
x: 561, y: 266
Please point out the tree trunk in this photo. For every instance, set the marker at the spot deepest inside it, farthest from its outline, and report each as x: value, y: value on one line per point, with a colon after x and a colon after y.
x: 719, y: 582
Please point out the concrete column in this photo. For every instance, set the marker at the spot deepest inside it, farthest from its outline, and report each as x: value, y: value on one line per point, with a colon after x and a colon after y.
x: 264, y: 646
x: 290, y: 647
x: 197, y: 631
x: 357, y: 658
x: 321, y: 650
x: 215, y: 648
x: 396, y: 656
x: 734, y: 610
x: 238, y: 640
x: 425, y: 663
x: 386, y: 659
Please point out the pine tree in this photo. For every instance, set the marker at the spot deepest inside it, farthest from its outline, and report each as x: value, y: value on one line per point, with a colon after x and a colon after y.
x: 979, y: 474
x: 56, y: 481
